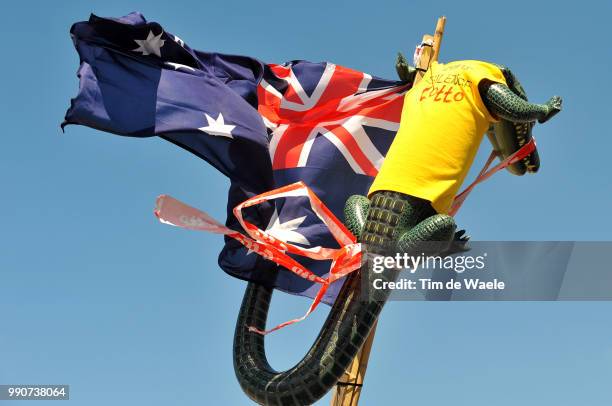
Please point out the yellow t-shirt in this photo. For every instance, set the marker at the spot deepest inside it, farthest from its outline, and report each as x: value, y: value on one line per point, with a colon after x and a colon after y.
x: 443, y: 122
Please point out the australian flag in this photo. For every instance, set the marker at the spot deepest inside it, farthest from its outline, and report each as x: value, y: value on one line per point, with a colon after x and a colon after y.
x: 262, y: 125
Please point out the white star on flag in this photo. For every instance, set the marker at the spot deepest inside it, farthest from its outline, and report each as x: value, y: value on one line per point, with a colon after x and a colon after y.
x: 151, y: 45
x: 286, y: 231
x: 217, y: 127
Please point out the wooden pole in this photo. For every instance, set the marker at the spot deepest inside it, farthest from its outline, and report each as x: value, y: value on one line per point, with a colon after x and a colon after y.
x: 425, y: 58
x: 437, y: 39
x: 431, y: 53
x: 349, y: 386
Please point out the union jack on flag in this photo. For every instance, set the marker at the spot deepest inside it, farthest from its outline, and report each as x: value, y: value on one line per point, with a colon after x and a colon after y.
x: 305, y: 101
x: 262, y: 125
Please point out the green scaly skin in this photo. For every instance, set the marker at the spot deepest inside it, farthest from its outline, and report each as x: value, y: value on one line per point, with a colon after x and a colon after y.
x: 389, y: 222
x: 404, y: 70
x: 356, y: 211
x: 509, y: 104
x: 517, y: 118
x: 506, y: 102
x: 390, y: 219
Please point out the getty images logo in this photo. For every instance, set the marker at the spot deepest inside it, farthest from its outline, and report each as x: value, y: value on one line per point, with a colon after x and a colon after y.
x: 459, y: 263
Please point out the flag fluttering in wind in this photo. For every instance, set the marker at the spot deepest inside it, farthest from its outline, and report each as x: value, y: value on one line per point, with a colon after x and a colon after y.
x: 262, y: 125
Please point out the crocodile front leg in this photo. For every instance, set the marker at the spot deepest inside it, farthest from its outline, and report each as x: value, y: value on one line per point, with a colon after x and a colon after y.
x: 501, y: 101
x: 407, y: 232
x: 389, y: 217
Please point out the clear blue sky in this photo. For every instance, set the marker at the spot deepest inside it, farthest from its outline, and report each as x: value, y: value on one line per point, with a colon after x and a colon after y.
x: 95, y: 293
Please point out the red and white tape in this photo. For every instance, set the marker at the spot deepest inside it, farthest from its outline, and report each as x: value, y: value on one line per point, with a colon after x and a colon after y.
x: 344, y: 260
x: 486, y: 173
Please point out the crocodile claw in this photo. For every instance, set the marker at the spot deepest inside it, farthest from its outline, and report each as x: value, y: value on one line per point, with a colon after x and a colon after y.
x: 554, y: 106
x: 460, y: 243
x: 404, y: 70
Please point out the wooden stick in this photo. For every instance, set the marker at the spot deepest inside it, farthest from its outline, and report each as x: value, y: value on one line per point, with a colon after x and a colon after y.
x: 349, y: 386
x: 348, y: 389
x: 431, y: 53
x: 425, y: 59
x: 437, y: 39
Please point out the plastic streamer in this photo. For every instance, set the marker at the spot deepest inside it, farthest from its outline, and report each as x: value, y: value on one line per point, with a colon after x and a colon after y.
x: 486, y: 173
x: 345, y: 259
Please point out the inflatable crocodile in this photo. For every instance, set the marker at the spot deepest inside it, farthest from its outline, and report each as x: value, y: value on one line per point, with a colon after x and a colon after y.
x: 444, y: 119
x: 136, y: 79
